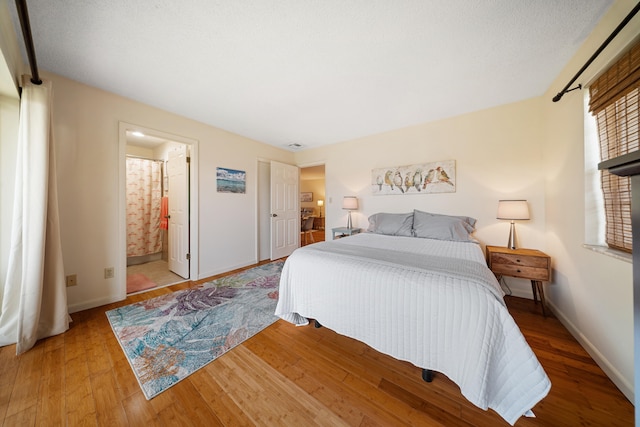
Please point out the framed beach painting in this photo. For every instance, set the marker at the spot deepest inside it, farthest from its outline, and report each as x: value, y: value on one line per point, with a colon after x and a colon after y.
x: 231, y: 181
x: 425, y: 178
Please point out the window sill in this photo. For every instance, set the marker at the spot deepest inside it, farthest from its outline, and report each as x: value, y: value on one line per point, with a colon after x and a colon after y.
x: 622, y: 256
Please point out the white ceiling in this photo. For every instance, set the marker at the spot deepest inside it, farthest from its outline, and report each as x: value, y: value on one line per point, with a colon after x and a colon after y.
x: 313, y: 72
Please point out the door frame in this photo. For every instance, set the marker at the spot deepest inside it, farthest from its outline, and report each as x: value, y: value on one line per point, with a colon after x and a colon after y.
x: 194, y: 244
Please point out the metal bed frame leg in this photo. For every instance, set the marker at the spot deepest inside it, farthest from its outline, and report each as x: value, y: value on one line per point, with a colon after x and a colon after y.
x: 427, y: 375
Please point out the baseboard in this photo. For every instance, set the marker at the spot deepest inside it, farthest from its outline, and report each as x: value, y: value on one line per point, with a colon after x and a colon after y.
x: 520, y: 288
x: 86, y: 305
x: 226, y: 269
x: 618, y: 379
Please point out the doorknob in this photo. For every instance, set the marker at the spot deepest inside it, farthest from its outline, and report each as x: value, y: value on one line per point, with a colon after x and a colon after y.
x: 274, y: 215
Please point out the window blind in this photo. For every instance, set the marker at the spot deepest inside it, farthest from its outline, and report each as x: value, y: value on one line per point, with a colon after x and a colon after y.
x: 614, y: 99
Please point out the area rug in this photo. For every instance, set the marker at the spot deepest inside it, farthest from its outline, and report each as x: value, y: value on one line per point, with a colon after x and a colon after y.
x: 167, y: 338
x: 138, y: 282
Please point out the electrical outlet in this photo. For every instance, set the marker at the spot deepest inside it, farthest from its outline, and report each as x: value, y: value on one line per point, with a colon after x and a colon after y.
x: 72, y: 280
x: 108, y: 273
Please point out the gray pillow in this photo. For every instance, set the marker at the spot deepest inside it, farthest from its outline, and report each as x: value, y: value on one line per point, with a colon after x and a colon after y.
x: 443, y: 227
x: 391, y: 224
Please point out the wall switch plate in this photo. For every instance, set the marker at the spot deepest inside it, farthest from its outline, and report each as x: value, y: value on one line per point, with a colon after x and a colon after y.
x: 108, y: 273
x: 72, y: 280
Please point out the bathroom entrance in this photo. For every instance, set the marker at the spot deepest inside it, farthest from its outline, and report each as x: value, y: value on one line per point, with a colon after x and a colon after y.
x: 157, y: 211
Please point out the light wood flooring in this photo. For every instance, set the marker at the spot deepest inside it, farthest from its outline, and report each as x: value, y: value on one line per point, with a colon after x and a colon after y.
x: 286, y: 376
x: 157, y: 271
x: 318, y: 236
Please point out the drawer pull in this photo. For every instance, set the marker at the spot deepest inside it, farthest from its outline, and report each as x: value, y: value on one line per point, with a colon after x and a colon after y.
x: 517, y: 260
x: 519, y: 271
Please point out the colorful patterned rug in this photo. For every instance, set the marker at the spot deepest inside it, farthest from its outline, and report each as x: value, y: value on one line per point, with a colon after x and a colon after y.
x: 170, y: 337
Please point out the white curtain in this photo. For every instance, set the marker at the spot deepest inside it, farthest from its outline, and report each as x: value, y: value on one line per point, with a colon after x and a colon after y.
x: 144, y: 194
x: 34, y: 295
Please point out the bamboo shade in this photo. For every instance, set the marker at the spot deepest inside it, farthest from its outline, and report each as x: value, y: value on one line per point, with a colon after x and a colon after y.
x: 614, y: 102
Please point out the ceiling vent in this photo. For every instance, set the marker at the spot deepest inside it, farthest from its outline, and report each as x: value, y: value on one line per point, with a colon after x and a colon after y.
x: 295, y: 146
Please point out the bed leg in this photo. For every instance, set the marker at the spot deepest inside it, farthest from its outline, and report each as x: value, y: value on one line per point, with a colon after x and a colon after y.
x: 427, y: 375
x: 316, y: 324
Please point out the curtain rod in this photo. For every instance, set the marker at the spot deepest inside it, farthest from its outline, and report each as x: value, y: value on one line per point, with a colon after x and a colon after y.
x: 615, y: 32
x: 23, y: 14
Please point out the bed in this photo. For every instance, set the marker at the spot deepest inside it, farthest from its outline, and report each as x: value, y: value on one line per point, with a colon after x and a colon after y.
x: 416, y: 287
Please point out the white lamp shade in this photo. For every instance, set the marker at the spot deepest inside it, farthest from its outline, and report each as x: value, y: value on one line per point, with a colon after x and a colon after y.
x: 320, y: 203
x: 513, y: 209
x: 350, y: 203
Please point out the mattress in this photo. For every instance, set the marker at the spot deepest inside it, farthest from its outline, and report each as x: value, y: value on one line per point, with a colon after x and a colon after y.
x: 433, y: 303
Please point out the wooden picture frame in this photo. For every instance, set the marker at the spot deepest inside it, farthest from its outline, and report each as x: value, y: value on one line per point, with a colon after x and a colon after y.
x: 425, y: 178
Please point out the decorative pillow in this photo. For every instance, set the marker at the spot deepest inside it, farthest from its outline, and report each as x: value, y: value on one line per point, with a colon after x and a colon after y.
x: 443, y: 227
x: 391, y: 224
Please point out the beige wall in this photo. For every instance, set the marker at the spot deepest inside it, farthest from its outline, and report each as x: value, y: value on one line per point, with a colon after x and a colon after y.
x: 315, y: 186
x: 497, y: 153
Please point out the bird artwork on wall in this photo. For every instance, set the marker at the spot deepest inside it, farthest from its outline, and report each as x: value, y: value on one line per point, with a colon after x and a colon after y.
x: 426, y: 178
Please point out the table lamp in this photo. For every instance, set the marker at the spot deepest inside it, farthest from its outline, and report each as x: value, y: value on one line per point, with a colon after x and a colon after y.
x: 349, y: 203
x: 512, y: 210
x: 320, y: 204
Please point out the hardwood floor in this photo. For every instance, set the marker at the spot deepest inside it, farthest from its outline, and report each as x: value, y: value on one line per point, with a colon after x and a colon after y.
x: 286, y: 375
x: 318, y: 236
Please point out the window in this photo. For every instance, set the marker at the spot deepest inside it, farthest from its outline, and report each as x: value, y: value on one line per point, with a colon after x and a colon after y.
x: 614, y: 100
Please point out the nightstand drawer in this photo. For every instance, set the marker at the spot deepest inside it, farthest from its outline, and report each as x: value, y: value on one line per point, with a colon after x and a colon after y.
x: 517, y: 259
x: 520, y: 265
x: 531, y: 273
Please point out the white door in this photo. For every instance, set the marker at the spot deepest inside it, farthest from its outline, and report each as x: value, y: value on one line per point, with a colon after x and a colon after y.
x: 285, y: 210
x: 178, y: 174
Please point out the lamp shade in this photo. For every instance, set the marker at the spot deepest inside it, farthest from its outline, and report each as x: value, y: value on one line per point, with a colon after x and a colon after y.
x: 513, y: 209
x: 350, y: 203
x: 320, y: 203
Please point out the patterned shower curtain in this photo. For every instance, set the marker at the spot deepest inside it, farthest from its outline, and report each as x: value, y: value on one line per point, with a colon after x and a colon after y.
x: 144, y: 191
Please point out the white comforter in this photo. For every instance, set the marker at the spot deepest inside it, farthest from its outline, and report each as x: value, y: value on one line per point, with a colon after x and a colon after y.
x: 452, y: 320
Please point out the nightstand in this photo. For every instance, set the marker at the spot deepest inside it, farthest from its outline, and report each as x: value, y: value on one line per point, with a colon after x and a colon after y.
x: 529, y: 264
x: 344, y: 231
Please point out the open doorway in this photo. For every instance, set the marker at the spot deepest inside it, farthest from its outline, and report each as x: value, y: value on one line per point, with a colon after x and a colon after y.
x: 312, y: 204
x: 157, y: 214
x: 278, y: 209
x: 311, y: 180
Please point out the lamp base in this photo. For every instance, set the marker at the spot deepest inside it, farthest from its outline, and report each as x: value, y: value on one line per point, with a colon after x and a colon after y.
x: 512, y: 236
x: 349, y: 221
